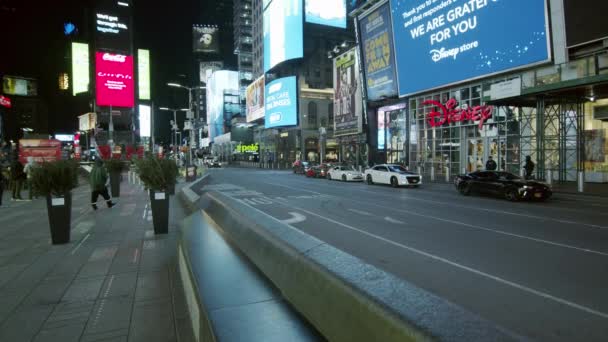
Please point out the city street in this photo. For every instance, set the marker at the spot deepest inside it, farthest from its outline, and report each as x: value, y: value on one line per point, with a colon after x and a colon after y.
x: 538, y: 269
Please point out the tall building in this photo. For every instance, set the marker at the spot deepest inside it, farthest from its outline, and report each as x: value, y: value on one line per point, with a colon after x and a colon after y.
x: 258, y: 38
x: 243, y: 45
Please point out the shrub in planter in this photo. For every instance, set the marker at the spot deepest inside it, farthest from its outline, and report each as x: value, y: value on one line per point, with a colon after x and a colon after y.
x: 158, y: 176
x: 115, y: 168
x: 55, y: 181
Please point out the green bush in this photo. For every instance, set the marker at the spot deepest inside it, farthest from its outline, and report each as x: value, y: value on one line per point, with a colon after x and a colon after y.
x: 55, y: 178
x: 115, y: 165
x: 157, y: 174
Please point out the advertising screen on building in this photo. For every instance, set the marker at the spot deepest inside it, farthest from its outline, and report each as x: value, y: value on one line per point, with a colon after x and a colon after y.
x: 114, y: 80
x: 281, y: 102
x: 255, y: 100
x: 143, y: 75
x: 12, y: 85
x: 453, y: 41
x: 207, y: 68
x: 144, y: 121
x: 347, y: 95
x: 378, y: 55
x: 326, y: 12
x: 283, y: 32
x: 205, y: 39
x: 585, y: 21
x: 112, y: 30
x: 80, y: 68
x: 221, y: 83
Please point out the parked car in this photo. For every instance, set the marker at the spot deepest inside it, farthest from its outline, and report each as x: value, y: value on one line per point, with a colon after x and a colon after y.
x: 503, y: 184
x: 317, y: 171
x: 300, y: 167
x: 395, y: 175
x: 345, y: 174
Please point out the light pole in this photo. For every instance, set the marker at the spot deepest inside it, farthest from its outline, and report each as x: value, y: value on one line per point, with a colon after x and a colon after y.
x: 192, y: 125
x: 174, y: 128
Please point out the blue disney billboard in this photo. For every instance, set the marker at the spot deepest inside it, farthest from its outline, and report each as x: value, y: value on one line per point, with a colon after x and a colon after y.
x: 281, y: 98
x: 283, y: 32
x: 441, y: 42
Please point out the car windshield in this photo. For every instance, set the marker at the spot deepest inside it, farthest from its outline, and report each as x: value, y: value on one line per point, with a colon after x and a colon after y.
x: 507, y: 176
x: 397, y: 168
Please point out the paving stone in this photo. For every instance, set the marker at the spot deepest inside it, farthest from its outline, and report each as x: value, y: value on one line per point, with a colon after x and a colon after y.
x: 110, y: 316
x: 117, y: 285
x: 46, y: 293
x: 153, y: 285
x: 24, y: 325
x: 65, y: 333
x: 83, y: 289
x: 153, y: 321
x: 9, y: 272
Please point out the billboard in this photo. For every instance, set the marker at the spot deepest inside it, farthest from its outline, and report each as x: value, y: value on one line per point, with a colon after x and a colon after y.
x: 255, y: 100
x: 144, y: 121
x: 80, y: 68
x: 283, y: 32
x: 114, y: 80
x: 281, y: 102
x: 143, y: 75
x: 12, y: 85
x: 112, y: 30
x: 348, y: 102
x: 584, y: 21
x: 220, y: 84
x: 441, y: 43
x: 378, y: 55
x: 5, y: 102
x: 207, y: 68
x: 205, y: 39
x: 326, y: 12
x: 87, y: 121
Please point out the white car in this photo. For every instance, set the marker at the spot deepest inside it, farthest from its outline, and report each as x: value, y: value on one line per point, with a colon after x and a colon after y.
x: 395, y: 175
x: 344, y: 173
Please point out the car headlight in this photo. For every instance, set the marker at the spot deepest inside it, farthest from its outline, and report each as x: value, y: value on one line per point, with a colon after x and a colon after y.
x: 526, y: 187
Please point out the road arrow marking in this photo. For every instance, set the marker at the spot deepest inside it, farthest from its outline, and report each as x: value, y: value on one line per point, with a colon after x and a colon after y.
x: 392, y: 220
x: 295, y: 218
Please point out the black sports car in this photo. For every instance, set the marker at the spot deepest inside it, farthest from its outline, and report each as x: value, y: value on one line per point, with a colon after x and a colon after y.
x: 504, y: 184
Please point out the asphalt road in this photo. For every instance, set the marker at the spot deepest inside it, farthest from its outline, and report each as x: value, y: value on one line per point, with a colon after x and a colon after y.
x: 538, y: 269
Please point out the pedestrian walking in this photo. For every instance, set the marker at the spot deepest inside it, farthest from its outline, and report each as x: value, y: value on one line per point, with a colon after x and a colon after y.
x: 29, y: 170
x: 17, y: 178
x: 98, y: 179
x: 491, y: 164
x: 528, y: 167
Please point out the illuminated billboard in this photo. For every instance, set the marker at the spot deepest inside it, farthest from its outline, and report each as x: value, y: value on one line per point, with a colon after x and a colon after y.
x: 255, y: 100
x: 112, y: 30
x: 143, y: 75
x: 447, y: 42
x: 326, y: 12
x: 283, y: 32
x: 207, y: 68
x: 281, y: 102
x: 205, y: 39
x: 378, y: 54
x: 220, y: 84
x: 12, y: 85
x: 348, y: 103
x: 114, y: 80
x: 144, y: 121
x: 80, y: 68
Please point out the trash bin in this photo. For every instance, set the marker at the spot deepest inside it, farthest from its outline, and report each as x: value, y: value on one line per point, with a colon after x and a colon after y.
x: 191, y: 173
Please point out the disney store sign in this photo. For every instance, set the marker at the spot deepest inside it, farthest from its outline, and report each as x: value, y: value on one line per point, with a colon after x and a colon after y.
x: 444, y: 114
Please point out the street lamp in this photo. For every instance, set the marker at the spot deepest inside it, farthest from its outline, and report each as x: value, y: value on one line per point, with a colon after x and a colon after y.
x: 192, y: 125
x: 174, y: 127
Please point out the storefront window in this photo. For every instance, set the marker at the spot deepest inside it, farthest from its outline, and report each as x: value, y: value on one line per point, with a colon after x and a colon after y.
x: 595, y: 143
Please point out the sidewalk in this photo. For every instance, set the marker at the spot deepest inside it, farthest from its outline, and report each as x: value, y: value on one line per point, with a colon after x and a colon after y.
x: 114, y: 282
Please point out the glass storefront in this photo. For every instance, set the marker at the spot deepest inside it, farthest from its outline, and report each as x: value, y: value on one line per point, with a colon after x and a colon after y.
x: 595, y: 161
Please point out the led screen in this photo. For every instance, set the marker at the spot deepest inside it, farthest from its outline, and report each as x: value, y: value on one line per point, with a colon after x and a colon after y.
x: 444, y: 42
x: 144, y: 121
x: 205, y: 39
x: 80, y: 68
x: 220, y: 84
x: 326, y: 12
x: 255, y: 100
x: 348, y: 118
x: 143, y: 68
x: 378, y: 54
x: 281, y: 102
x: 114, y: 80
x: 112, y: 30
x: 12, y: 85
x: 283, y: 32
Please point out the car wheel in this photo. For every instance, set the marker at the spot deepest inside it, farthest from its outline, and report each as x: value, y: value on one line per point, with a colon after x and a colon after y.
x: 369, y: 180
x: 394, y: 182
x: 464, y: 189
x: 344, y: 178
x: 512, y: 195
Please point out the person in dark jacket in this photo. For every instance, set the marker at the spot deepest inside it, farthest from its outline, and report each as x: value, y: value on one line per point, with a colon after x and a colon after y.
x: 528, y: 167
x: 98, y: 179
x: 491, y: 164
x: 17, y: 178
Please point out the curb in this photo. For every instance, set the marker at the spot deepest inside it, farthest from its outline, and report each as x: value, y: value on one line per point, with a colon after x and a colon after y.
x: 345, y: 298
x: 189, y: 197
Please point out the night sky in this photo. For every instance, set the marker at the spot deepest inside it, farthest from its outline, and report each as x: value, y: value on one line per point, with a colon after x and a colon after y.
x: 33, y: 45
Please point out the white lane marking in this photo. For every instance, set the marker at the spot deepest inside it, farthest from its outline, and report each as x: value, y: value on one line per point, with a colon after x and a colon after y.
x: 143, y: 217
x: 360, y: 212
x: 470, y: 225
x: 295, y: 218
x: 135, y: 255
x: 80, y: 244
x: 109, y: 286
x: 392, y: 220
x: 463, y: 267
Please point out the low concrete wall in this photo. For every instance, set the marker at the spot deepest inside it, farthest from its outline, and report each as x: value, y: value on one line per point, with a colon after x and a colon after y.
x: 188, y: 196
x: 342, y: 296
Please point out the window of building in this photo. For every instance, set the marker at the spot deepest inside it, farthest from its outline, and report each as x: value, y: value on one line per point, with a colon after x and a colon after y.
x: 330, y: 113
x: 312, y: 113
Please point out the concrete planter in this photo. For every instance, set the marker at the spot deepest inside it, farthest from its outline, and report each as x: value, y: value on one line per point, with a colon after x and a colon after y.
x: 60, y: 217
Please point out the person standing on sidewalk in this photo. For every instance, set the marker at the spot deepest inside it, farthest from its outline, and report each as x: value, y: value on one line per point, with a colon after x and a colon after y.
x: 98, y: 179
x: 29, y: 169
x: 17, y: 178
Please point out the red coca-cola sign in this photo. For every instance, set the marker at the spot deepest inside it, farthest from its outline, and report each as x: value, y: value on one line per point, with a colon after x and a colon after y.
x: 444, y: 114
x: 5, y: 101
